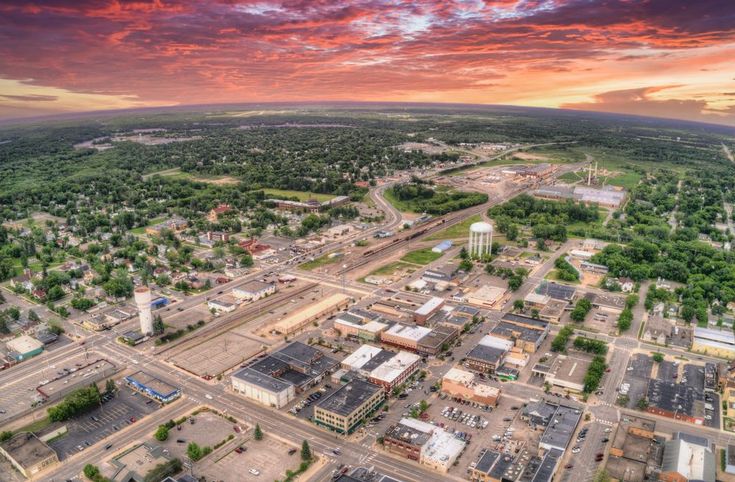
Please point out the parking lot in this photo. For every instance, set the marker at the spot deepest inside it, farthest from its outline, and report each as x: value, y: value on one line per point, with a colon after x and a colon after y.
x: 601, y: 320
x: 637, y: 375
x: 480, y: 426
x: 268, y: 458
x: 303, y: 407
x: 20, y: 392
x: 125, y: 408
x: 207, y: 430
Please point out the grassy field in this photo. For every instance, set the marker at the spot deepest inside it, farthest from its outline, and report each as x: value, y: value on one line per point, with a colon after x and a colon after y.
x: 302, y: 195
x: 421, y: 256
x: 175, y: 173
x: 459, y: 230
x: 582, y: 225
x: 628, y: 180
x: 153, y: 222
x: 391, y: 268
x: 319, y: 262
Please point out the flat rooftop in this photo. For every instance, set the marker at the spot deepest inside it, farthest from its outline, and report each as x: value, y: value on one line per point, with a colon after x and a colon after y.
x: 155, y: 384
x: 262, y: 380
x: 429, y: 307
x: 559, y: 432
x: 349, y: 397
x: 395, y: 366
x: 27, y: 449
x: 570, y: 368
x: 361, y: 356
x: 414, y: 333
x: 487, y: 354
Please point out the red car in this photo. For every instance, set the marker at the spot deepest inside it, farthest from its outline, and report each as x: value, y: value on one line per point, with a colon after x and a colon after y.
x: 569, y: 466
x: 236, y: 428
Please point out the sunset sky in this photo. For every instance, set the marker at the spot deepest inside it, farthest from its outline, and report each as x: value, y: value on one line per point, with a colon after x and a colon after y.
x: 667, y: 58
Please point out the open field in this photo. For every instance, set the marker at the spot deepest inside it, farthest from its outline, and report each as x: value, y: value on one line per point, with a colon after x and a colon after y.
x: 391, y: 268
x: 457, y: 231
x: 302, y: 195
x: 421, y: 256
x: 319, y: 262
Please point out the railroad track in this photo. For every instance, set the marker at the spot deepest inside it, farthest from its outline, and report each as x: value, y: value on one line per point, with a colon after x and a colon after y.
x: 233, y: 320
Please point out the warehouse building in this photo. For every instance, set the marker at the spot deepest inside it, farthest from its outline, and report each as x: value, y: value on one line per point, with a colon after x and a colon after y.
x: 152, y: 387
x: 263, y: 388
x: 24, y: 347
x: 276, y: 379
x: 568, y: 372
x: 28, y: 454
x: 688, y: 457
x: 221, y: 306
x: 720, y: 343
x: 254, y: 290
x: 344, y: 410
x: 313, y: 312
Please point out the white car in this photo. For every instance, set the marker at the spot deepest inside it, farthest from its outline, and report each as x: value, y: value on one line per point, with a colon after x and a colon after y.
x: 576, y: 450
x: 254, y: 472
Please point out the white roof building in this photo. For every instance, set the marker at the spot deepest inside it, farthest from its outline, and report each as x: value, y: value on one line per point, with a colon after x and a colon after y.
x: 414, y: 333
x: 430, y: 306
x: 495, y: 342
x: 360, y: 357
x: 395, y: 368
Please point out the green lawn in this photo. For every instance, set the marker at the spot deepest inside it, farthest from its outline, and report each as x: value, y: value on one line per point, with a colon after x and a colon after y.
x: 175, y: 173
x: 570, y: 177
x: 628, y: 180
x: 319, y: 262
x: 153, y: 222
x: 421, y: 256
x: 302, y: 195
x: 459, y: 230
x: 36, y: 426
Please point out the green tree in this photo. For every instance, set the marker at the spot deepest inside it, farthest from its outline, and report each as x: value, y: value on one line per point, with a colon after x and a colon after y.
x: 161, y: 433
x: 519, y: 305
x: 258, y: 434
x: 305, y: 451
x: 194, y: 451
x: 658, y: 357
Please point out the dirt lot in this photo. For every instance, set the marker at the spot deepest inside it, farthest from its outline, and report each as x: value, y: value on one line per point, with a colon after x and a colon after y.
x: 269, y: 457
x: 601, y: 321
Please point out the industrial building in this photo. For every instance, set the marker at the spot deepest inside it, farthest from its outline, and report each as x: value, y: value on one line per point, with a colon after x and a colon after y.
x: 28, y: 454
x: 344, y: 410
x: 720, y: 343
x: 313, y: 312
x: 254, y: 290
x: 481, y: 240
x: 688, y: 457
x: 458, y: 383
x: 24, y: 347
x: 276, y: 379
x: 557, y: 291
x: 221, y: 306
x: 153, y: 387
x: 607, y: 196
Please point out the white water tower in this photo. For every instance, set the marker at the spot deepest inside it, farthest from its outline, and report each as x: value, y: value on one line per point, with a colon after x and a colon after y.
x: 143, y: 301
x: 481, y: 239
